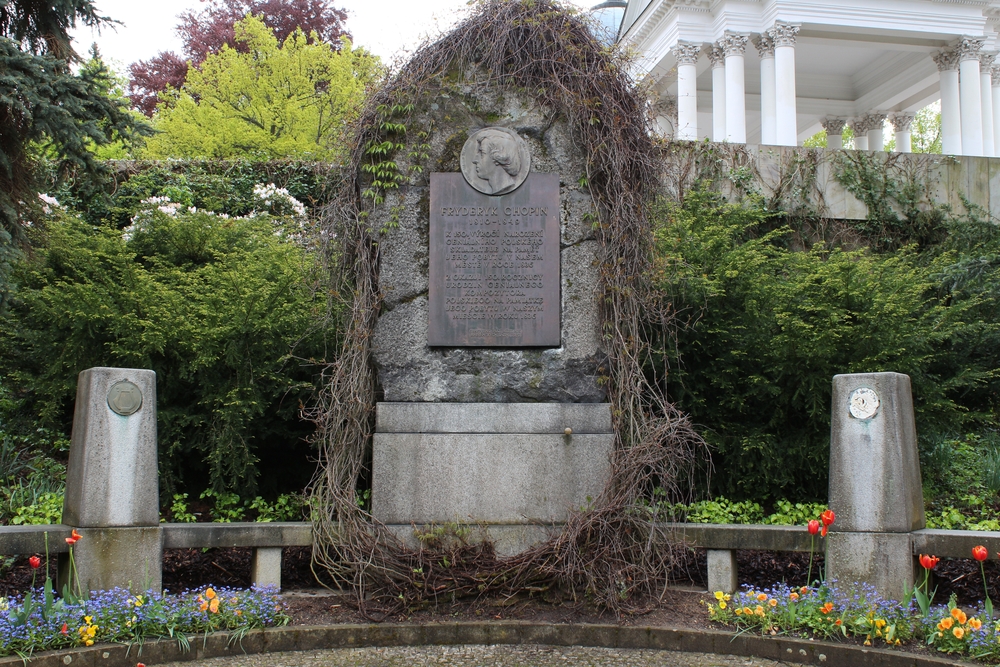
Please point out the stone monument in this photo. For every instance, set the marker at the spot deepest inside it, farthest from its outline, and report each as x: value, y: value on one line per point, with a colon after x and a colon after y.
x: 112, y: 481
x: 875, y: 486
x: 488, y: 348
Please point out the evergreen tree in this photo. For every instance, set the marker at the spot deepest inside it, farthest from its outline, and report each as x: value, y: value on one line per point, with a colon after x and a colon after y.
x: 44, y: 106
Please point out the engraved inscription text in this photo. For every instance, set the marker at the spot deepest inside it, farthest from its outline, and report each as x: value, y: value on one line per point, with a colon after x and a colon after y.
x: 494, y: 264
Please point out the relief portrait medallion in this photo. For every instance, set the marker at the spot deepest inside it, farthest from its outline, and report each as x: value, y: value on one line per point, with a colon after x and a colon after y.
x: 495, y: 161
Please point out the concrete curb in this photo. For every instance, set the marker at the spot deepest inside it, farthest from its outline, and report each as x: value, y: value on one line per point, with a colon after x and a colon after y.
x: 308, y: 638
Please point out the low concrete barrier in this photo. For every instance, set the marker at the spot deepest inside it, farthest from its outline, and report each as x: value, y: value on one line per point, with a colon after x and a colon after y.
x: 266, y: 540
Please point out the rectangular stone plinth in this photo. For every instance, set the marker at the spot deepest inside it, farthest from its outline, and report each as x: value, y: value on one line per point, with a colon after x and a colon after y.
x: 112, y: 477
x: 496, y: 478
x: 116, y: 558
x: 509, y: 466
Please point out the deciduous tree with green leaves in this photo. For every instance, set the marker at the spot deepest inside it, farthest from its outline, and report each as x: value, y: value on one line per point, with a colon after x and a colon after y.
x: 273, y: 100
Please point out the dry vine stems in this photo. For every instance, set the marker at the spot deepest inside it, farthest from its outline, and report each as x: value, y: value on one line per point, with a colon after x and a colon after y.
x: 611, y: 552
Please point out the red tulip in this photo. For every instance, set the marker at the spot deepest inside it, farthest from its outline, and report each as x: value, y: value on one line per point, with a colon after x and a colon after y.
x: 929, y: 562
x: 73, y: 538
x: 35, y: 562
x: 827, y: 517
x: 65, y: 629
x: 823, y: 532
x: 813, y: 527
x: 980, y: 553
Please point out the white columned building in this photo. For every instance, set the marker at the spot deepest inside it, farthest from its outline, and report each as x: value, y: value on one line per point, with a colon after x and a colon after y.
x: 817, y: 60
x: 768, y: 108
x: 951, y: 114
x: 875, y: 122
x: 718, y: 60
x: 687, y: 90
x: 986, y: 95
x: 859, y: 126
x: 901, y: 124
x: 996, y: 109
x: 970, y: 95
x: 834, y: 131
x: 734, y: 45
x: 783, y: 36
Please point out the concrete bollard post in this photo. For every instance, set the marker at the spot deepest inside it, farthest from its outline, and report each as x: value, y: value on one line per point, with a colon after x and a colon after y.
x: 265, y: 566
x: 722, y: 574
x: 875, y: 486
x: 112, y: 481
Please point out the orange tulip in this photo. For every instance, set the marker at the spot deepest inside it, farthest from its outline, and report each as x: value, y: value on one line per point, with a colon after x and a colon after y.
x: 980, y: 553
x: 929, y: 562
x: 73, y: 538
x: 827, y: 517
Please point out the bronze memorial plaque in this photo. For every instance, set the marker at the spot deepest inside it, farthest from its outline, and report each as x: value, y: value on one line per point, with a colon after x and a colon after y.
x: 494, y: 259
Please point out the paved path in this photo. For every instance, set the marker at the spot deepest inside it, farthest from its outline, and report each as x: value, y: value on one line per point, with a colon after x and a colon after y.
x: 483, y: 656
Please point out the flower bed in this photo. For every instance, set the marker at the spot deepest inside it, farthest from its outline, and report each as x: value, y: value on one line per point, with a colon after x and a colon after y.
x: 40, y: 621
x: 831, y: 611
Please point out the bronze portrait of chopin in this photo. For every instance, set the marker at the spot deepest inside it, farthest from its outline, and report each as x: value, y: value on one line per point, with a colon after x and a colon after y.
x: 495, y: 161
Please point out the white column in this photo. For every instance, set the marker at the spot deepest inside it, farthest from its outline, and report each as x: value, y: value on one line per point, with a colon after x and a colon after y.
x: 970, y: 94
x: 986, y: 91
x: 901, y: 123
x: 768, y: 111
x: 996, y: 110
x: 951, y: 114
x: 735, y: 45
x: 834, y: 131
x: 687, y: 90
x: 876, y: 138
x: 783, y: 35
x: 718, y: 60
x: 860, y: 128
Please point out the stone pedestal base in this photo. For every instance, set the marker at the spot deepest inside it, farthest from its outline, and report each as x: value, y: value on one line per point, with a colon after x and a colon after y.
x: 511, y: 467
x: 884, y: 560
x: 116, y: 558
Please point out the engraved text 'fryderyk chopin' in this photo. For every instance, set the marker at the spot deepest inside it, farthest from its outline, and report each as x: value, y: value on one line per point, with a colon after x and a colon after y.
x: 494, y: 264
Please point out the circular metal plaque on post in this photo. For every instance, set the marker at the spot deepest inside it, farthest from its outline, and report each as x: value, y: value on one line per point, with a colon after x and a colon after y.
x: 495, y: 160
x: 863, y: 403
x: 124, y: 398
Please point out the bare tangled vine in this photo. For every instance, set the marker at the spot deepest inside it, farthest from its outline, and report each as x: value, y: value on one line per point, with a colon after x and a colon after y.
x: 610, y: 553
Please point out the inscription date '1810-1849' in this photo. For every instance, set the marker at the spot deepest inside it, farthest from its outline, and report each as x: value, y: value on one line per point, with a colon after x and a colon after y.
x: 494, y: 264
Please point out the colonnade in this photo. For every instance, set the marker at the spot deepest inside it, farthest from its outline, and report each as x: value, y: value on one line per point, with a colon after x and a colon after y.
x: 729, y: 119
x: 970, y: 99
x: 970, y: 96
x: 868, y: 131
